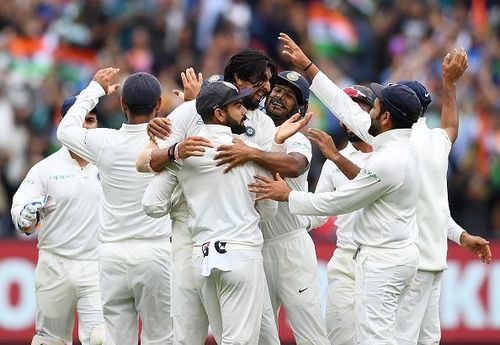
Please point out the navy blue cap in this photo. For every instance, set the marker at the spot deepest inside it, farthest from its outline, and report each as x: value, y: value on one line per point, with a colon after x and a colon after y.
x: 141, y: 91
x: 423, y: 95
x: 217, y: 94
x: 212, y: 78
x: 68, y: 103
x: 296, y: 82
x: 399, y: 100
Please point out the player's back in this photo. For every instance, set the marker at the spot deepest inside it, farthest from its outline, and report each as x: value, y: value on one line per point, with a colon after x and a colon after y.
x: 221, y: 208
x: 122, y: 215
x: 433, y: 147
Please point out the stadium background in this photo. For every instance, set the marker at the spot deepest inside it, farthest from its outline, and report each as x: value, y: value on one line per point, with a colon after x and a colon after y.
x: 50, y: 49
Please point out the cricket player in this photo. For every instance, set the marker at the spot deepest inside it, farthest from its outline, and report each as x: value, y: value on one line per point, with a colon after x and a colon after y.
x: 289, y: 254
x: 134, y: 255
x: 340, y: 315
x: 60, y: 198
x: 386, y: 192
x: 418, y: 314
x: 252, y: 69
x: 227, y: 265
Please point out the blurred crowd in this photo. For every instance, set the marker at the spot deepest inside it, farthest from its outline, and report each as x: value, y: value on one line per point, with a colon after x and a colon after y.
x: 50, y: 49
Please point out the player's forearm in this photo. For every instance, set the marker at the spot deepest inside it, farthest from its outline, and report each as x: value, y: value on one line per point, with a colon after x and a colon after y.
x: 159, y: 159
x: 71, y: 124
x: 284, y: 164
x: 449, y: 113
x: 348, y: 168
x: 455, y: 231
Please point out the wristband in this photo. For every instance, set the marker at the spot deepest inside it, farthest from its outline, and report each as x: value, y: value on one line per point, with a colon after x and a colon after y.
x: 308, y: 66
x: 171, y: 155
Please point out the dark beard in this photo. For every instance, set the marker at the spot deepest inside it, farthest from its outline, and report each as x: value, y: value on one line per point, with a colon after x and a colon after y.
x: 353, y: 138
x: 249, y: 103
x: 374, y: 129
x: 236, y: 128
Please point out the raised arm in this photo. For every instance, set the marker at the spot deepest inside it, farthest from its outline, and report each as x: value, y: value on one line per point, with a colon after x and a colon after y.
x: 87, y: 143
x: 453, y: 66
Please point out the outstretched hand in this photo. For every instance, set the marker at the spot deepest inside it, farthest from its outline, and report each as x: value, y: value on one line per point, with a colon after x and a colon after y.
x: 267, y: 188
x: 478, y: 246
x: 191, y: 84
x: 325, y: 143
x: 292, y: 52
x: 292, y: 126
x: 104, y: 76
x: 454, y: 65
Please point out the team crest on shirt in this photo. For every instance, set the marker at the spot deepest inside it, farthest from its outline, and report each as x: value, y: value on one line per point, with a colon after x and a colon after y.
x: 250, y: 131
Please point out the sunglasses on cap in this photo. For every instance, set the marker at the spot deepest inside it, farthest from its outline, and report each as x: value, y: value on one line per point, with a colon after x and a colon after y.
x: 357, y: 94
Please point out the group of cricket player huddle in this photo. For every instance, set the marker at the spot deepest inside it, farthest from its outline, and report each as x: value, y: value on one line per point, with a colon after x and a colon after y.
x: 201, y: 218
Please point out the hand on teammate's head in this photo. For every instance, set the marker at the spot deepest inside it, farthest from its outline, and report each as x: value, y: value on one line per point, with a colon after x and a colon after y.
x: 104, y: 77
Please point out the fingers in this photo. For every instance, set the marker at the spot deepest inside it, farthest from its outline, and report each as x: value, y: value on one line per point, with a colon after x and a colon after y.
x: 277, y: 177
x: 201, y: 141
x: 113, y: 88
x: 200, y: 78
x: 264, y: 178
x: 184, y: 79
x: 293, y: 118
x: 307, y: 118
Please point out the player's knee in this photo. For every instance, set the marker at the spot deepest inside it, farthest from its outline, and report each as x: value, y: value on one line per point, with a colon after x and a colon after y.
x: 97, y: 335
x: 46, y: 340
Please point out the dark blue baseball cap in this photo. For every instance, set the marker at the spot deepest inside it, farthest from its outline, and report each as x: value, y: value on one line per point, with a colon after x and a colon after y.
x: 423, y: 95
x: 141, y: 91
x: 217, y: 94
x: 399, y: 100
x: 296, y: 82
x: 68, y: 103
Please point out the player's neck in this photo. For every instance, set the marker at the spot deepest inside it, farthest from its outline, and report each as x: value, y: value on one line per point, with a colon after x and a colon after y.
x: 81, y: 162
x: 362, y: 146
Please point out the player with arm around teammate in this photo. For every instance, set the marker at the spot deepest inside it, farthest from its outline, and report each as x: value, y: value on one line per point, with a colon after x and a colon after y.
x: 60, y: 198
x: 227, y: 266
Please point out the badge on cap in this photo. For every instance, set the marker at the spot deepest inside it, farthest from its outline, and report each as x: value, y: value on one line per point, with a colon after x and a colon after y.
x: 213, y: 78
x: 292, y: 76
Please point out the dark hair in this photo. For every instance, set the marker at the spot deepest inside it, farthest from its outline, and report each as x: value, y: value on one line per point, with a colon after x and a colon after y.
x: 207, y: 118
x: 142, y: 110
x: 250, y: 65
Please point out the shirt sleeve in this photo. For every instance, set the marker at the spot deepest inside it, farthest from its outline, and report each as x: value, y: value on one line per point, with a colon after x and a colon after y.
x: 86, y: 143
x: 300, y: 144
x: 342, y: 106
x: 441, y: 137
x: 181, y: 118
x: 157, y: 199
x: 363, y: 190
x: 31, y: 189
x: 454, y: 230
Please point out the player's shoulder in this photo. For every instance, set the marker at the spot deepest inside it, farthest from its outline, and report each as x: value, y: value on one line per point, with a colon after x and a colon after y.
x: 183, y: 111
x: 298, y: 138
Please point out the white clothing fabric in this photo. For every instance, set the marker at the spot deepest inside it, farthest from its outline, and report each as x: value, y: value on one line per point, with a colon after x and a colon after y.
x: 233, y: 299
x: 380, y: 280
x: 332, y: 178
x: 388, y: 186
x: 340, y: 313
x: 114, y: 153
x: 284, y: 222
x: 135, y: 282
x: 63, y: 286
x: 454, y: 231
x: 418, y: 313
x: 291, y: 266
x: 71, y: 230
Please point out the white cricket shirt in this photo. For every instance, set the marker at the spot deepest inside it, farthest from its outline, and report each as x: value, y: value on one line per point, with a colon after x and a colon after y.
x: 71, y: 230
x: 220, y: 206
x: 332, y: 178
x: 385, y: 191
x: 187, y: 122
x: 285, y: 222
x: 114, y: 152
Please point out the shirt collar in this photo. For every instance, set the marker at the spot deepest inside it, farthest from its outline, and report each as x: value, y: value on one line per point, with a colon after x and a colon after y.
x: 391, y: 137
x: 421, y: 122
x: 126, y: 127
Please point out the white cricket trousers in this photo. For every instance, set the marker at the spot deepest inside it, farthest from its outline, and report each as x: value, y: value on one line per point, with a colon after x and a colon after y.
x: 63, y: 285
x: 340, y: 315
x: 291, y: 269
x: 233, y: 300
x: 135, y: 283
x: 418, y: 313
x: 189, y: 316
x: 382, y: 274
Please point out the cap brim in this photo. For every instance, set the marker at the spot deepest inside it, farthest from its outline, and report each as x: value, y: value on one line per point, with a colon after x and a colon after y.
x: 377, y: 89
x: 242, y: 94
